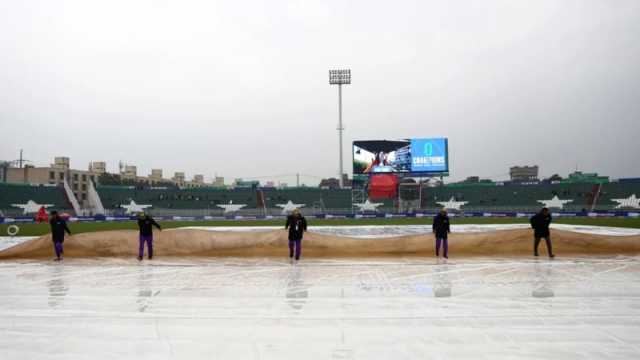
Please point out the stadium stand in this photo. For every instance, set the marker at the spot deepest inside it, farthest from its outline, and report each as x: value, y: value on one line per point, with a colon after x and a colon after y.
x: 168, y: 198
x: 479, y: 197
x: 509, y: 197
x: 337, y: 200
x: 617, y: 190
x: 22, y: 193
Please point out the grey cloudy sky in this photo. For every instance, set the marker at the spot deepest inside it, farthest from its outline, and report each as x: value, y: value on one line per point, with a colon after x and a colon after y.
x: 240, y: 88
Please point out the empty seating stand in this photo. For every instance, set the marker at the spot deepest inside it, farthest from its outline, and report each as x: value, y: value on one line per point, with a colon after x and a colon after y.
x: 22, y: 193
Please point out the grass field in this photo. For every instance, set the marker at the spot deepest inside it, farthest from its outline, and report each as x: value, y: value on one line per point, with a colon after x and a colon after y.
x: 41, y: 229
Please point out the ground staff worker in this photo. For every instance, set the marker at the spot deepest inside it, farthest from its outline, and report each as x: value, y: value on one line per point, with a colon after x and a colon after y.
x: 540, y: 223
x: 297, y: 225
x: 58, y: 229
x: 441, y: 229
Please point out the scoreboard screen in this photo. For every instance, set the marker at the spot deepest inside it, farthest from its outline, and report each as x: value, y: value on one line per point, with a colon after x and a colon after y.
x: 429, y: 155
x: 418, y: 156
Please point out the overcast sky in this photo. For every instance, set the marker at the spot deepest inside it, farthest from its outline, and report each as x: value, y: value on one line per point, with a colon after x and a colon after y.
x: 240, y: 88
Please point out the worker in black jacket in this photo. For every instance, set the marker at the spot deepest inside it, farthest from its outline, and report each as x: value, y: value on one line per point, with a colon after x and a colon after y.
x: 441, y: 229
x: 146, y: 224
x: 58, y: 228
x: 540, y: 224
x: 297, y: 225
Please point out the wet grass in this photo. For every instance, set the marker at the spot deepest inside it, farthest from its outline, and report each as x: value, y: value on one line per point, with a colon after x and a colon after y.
x: 81, y: 227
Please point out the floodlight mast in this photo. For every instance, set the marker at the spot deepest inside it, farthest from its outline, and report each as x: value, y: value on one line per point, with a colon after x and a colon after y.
x: 340, y: 77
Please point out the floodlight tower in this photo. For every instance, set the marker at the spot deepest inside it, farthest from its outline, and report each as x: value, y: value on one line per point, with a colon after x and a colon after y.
x: 340, y: 77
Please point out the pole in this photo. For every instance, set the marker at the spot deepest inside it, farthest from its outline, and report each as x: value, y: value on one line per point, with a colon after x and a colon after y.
x: 340, y: 128
x: 340, y: 77
x: 420, y: 192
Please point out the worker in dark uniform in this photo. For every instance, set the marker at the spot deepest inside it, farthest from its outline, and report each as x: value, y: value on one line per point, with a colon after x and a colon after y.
x: 58, y: 228
x: 540, y: 223
x: 146, y: 224
x: 441, y: 230
x: 297, y: 225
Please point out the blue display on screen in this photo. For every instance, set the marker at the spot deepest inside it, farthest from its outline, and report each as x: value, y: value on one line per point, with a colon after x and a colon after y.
x: 429, y: 155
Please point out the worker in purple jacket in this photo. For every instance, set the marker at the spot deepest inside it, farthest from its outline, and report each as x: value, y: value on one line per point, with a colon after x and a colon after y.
x: 58, y: 228
x: 441, y: 230
x: 297, y: 225
x: 540, y: 224
x: 146, y: 223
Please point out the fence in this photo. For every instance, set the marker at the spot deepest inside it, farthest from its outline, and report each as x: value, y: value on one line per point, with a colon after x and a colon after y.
x: 250, y: 214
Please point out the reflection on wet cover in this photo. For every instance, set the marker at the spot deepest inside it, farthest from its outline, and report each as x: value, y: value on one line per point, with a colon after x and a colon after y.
x: 297, y: 291
x: 542, y: 280
x: 145, y: 290
x: 57, y: 287
x: 441, y: 281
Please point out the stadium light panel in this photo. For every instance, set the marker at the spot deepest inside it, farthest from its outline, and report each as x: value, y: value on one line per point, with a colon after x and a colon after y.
x: 340, y: 77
